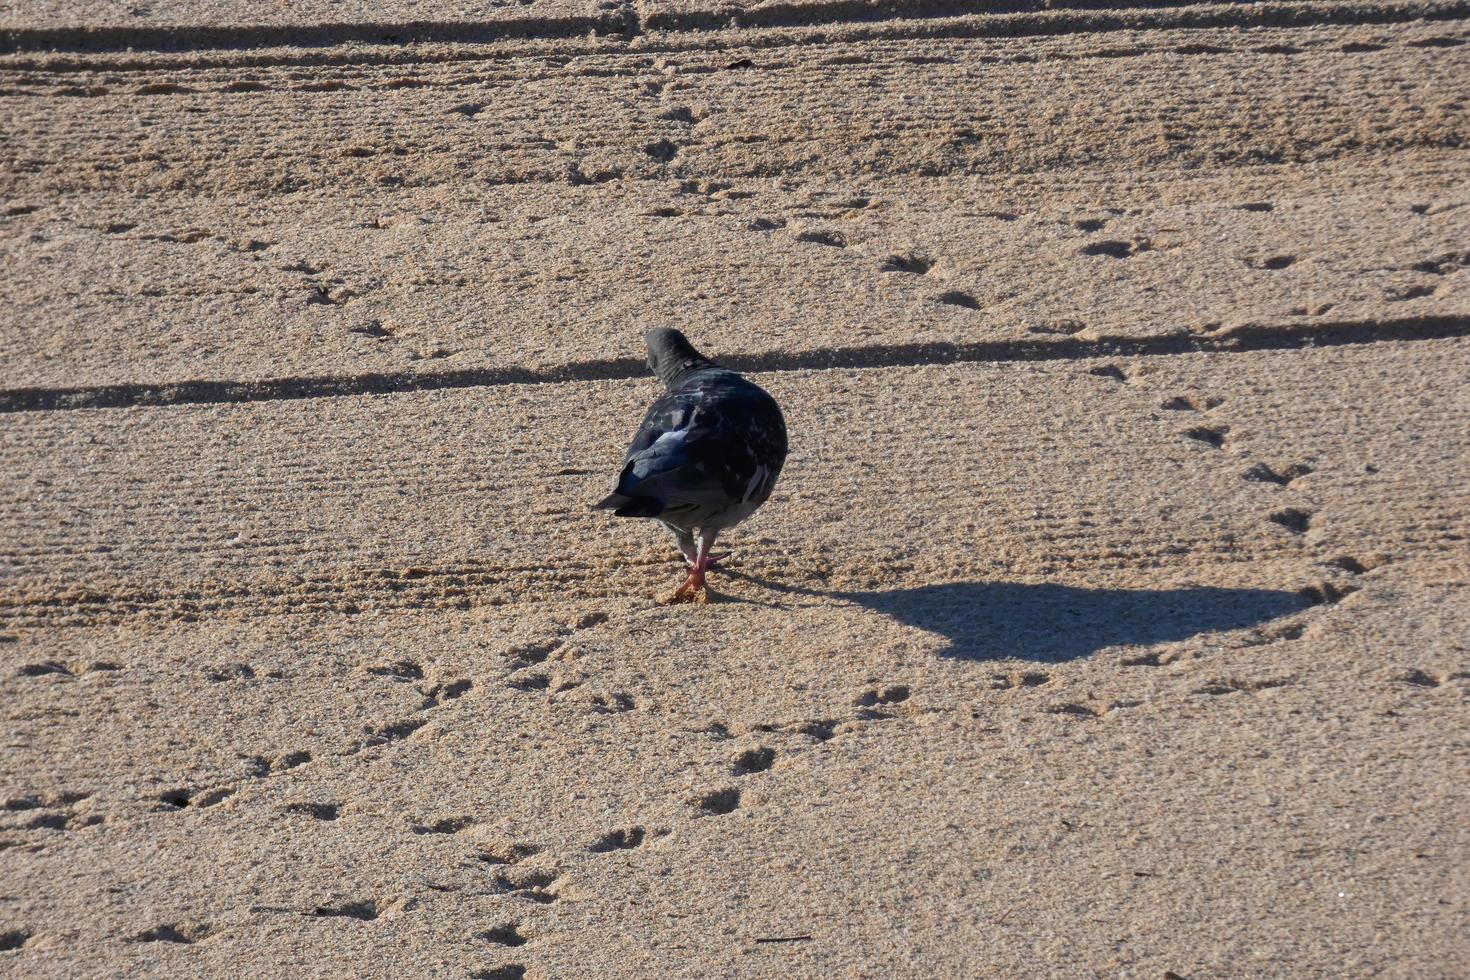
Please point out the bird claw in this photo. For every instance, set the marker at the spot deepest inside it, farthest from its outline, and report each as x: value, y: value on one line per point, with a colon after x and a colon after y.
x: 689, y: 592
x: 693, y: 590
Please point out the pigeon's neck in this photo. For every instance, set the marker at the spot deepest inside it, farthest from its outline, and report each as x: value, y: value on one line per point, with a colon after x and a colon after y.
x: 674, y: 372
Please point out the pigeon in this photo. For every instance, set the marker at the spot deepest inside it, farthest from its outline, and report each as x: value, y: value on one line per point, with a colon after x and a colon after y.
x: 706, y: 456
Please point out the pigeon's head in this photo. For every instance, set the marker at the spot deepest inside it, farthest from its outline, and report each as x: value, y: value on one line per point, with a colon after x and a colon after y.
x: 672, y: 357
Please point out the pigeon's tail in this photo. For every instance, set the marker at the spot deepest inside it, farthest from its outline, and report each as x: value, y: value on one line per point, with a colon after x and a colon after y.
x: 624, y: 506
x: 611, y: 501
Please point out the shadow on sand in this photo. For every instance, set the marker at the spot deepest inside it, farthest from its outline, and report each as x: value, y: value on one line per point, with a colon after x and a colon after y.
x: 996, y: 620
x: 991, y: 620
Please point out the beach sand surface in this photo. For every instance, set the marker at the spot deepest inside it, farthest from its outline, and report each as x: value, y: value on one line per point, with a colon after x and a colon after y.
x: 1109, y: 618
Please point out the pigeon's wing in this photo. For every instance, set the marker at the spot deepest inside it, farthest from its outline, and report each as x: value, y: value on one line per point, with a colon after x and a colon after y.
x: 669, y: 458
x: 659, y: 469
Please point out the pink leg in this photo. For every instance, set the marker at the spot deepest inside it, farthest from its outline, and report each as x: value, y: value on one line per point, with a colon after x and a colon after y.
x: 693, y: 589
x: 714, y: 560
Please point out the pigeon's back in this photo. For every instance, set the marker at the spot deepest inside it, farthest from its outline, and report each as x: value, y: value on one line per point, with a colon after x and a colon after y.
x: 707, y: 454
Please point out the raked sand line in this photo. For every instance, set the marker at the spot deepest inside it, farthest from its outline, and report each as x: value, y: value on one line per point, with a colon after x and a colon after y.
x: 1014, y: 18
x: 1241, y: 340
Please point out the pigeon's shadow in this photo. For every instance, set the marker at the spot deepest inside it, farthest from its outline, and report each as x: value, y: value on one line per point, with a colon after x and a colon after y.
x: 994, y: 620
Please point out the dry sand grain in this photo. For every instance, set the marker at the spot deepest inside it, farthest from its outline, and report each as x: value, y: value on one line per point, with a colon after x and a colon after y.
x: 1110, y: 616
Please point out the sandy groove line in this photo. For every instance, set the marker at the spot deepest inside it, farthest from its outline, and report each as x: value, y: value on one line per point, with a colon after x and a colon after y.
x: 1241, y: 340
x: 310, y: 35
x: 1019, y: 56
x: 1101, y: 12
x: 159, y: 66
x: 1018, y: 18
x: 358, y: 589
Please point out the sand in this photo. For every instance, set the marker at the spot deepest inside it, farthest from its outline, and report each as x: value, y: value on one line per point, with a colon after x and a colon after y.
x: 1108, y: 620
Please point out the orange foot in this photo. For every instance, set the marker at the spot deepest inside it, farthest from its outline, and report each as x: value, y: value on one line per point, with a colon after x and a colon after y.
x: 693, y: 589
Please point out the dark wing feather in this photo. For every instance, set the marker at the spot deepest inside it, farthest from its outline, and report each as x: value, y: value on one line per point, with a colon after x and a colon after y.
x: 663, y: 461
x: 699, y: 448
